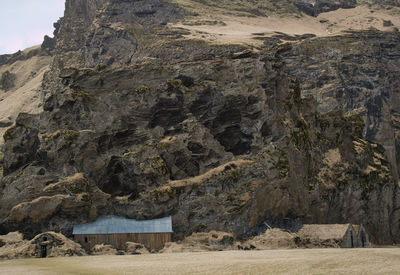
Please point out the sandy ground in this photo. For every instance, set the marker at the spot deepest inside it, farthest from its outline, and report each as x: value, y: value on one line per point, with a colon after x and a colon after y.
x: 243, y: 30
x: 222, y: 28
x: 361, y: 17
x: 295, y: 261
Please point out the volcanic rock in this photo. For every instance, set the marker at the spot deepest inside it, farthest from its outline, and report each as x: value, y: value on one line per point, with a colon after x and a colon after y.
x: 141, y: 120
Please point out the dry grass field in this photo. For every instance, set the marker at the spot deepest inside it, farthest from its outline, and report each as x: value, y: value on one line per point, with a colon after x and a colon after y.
x: 295, y: 261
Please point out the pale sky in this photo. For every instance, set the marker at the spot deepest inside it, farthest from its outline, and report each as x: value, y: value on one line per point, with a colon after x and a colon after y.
x: 23, y: 23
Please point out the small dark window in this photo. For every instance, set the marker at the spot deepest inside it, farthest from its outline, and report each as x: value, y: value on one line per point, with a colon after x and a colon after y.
x: 44, y: 239
x: 86, y: 240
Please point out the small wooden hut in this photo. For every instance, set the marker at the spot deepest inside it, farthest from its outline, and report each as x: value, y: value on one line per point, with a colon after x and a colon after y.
x: 333, y: 235
x: 116, y: 231
x: 51, y: 244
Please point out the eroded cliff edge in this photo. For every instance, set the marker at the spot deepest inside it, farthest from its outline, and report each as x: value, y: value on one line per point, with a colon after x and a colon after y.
x: 141, y: 120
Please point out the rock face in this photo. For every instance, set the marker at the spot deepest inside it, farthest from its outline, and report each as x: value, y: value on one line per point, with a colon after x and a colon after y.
x: 316, y: 7
x: 143, y: 122
x: 48, y: 44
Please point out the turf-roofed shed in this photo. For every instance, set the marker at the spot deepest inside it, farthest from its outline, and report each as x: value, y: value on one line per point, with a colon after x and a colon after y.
x: 332, y: 235
x: 116, y: 231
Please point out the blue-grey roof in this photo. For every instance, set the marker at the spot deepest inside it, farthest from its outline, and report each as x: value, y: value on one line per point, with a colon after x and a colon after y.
x: 119, y: 225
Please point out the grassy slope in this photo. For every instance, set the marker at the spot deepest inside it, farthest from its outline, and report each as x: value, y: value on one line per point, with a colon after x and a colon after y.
x: 25, y: 96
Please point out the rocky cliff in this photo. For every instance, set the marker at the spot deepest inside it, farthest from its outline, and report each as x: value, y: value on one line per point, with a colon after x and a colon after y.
x: 143, y: 117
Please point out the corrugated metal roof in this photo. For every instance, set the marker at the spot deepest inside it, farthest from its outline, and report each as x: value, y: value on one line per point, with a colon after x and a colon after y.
x: 119, y: 225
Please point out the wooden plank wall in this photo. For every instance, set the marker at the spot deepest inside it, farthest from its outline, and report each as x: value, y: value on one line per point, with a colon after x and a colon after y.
x: 153, y: 241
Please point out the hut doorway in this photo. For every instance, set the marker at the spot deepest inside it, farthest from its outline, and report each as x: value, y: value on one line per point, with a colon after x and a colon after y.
x: 363, y: 239
x: 352, y: 240
x: 43, y: 251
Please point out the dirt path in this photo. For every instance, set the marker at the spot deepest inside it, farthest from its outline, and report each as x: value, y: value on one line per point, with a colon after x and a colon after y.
x: 296, y: 261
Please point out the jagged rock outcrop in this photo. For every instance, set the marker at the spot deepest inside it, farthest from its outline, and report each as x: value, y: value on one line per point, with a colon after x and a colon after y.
x: 316, y: 7
x: 48, y: 44
x: 58, y: 201
x: 7, y: 81
x: 141, y: 121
